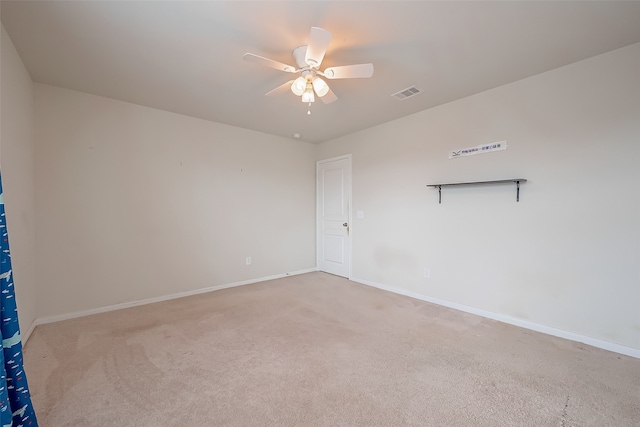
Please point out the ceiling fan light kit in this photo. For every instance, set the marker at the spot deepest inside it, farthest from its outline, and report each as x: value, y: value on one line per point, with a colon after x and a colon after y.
x: 308, y: 59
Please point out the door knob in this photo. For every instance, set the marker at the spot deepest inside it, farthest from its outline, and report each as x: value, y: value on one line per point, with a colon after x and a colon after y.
x: 345, y: 224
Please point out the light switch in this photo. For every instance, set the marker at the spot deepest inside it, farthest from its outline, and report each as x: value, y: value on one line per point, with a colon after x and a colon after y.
x: 360, y: 214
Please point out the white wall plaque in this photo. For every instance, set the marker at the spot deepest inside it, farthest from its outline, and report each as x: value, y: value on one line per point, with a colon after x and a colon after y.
x: 479, y: 149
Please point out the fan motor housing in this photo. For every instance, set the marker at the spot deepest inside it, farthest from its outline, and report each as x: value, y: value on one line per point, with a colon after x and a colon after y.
x: 299, y: 54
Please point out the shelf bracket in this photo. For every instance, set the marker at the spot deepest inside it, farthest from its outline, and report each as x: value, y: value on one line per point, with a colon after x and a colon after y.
x: 439, y: 194
x: 517, y: 191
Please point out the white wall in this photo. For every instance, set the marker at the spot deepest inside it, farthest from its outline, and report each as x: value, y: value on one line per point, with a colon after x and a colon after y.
x: 566, y: 256
x: 16, y: 163
x: 137, y: 203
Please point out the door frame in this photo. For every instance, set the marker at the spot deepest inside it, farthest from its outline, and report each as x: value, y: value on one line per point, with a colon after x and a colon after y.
x: 349, y: 209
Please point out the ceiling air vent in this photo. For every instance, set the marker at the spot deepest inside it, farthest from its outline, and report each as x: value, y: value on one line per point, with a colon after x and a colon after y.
x: 406, y: 93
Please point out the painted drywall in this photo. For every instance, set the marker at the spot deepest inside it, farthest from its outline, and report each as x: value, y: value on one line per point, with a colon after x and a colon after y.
x: 137, y: 203
x: 567, y: 255
x: 17, y: 165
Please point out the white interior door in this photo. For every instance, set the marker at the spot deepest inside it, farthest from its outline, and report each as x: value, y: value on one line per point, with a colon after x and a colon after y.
x: 334, y: 199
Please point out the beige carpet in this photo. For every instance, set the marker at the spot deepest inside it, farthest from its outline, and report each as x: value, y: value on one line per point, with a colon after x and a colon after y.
x: 318, y: 350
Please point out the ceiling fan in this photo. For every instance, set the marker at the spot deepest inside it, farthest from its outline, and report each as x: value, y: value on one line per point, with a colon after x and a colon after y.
x: 308, y: 59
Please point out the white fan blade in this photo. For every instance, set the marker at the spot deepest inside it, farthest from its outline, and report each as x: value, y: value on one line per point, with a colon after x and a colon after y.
x: 268, y: 62
x: 280, y: 89
x: 358, y: 71
x: 316, y: 48
x: 329, y: 97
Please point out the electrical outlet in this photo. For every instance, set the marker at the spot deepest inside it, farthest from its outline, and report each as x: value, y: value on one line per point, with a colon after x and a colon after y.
x: 427, y: 273
x: 248, y: 260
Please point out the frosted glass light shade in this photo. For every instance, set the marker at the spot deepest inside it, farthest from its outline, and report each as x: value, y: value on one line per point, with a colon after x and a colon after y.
x: 320, y: 87
x: 298, y: 86
x: 308, y: 96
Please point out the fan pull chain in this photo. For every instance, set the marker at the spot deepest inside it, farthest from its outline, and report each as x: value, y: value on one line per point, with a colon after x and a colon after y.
x: 309, y: 110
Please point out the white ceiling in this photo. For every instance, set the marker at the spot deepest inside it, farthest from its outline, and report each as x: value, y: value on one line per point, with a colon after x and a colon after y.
x: 186, y: 57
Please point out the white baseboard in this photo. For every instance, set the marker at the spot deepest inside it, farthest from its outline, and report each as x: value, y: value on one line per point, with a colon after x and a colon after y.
x: 25, y: 337
x: 605, y: 345
x: 67, y: 316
